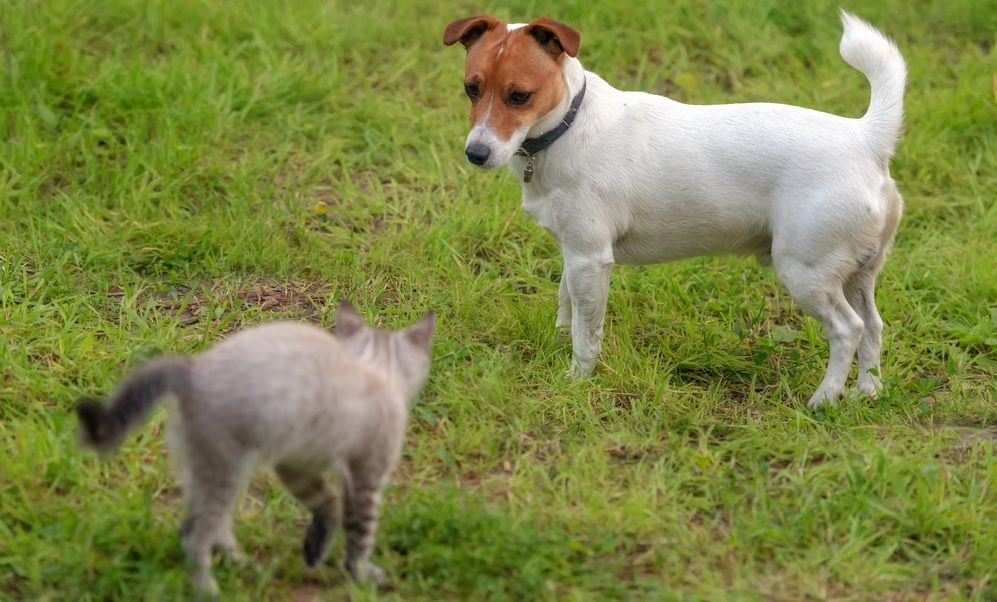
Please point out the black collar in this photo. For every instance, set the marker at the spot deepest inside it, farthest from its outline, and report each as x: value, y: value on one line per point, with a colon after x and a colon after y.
x: 532, y: 146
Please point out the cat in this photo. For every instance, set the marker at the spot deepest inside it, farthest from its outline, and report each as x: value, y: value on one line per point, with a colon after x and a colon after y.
x: 289, y: 395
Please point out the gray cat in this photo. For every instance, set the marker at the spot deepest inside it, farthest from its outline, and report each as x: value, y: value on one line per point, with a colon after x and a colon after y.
x: 291, y: 396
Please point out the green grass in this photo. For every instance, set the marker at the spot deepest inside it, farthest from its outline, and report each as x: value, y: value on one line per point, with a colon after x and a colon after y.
x: 173, y: 170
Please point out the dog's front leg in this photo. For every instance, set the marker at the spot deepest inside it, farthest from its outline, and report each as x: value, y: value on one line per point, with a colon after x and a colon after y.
x: 563, y: 321
x: 587, y: 276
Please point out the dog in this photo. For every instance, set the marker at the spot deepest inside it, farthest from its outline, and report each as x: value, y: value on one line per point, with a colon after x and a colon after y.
x: 636, y: 178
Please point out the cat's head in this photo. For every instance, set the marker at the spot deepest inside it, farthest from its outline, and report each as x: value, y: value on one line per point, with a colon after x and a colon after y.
x: 402, y: 356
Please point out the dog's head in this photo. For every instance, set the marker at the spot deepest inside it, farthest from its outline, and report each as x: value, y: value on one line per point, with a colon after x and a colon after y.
x: 513, y: 77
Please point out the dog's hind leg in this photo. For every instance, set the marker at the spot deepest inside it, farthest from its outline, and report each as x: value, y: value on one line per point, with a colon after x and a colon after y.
x: 860, y: 290
x: 822, y: 296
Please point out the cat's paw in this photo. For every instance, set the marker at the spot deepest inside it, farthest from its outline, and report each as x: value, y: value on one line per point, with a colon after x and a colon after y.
x: 316, y: 545
x: 235, y: 557
x: 367, y: 572
x: 206, y: 586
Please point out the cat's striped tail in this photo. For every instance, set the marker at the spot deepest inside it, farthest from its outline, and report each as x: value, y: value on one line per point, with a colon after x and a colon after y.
x: 104, y: 427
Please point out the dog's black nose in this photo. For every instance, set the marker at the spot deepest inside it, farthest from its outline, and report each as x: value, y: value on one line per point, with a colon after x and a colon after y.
x: 477, y: 153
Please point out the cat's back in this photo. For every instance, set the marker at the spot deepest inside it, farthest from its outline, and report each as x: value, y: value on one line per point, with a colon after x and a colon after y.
x: 275, y: 338
x: 284, y: 362
x: 276, y: 344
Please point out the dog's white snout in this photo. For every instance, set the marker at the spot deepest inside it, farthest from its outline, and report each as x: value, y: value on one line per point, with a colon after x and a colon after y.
x: 487, y: 150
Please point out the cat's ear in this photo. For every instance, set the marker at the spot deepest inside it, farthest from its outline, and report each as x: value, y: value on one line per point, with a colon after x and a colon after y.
x: 421, y: 333
x: 348, y: 321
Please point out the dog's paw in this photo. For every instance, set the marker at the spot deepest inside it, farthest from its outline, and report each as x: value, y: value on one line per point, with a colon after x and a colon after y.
x: 822, y: 397
x: 870, y: 384
x: 562, y: 333
x: 580, y: 369
x: 815, y: 404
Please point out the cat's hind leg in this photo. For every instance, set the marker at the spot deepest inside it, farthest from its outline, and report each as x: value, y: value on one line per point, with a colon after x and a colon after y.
x: 315, y: 493
x: 212, y: 483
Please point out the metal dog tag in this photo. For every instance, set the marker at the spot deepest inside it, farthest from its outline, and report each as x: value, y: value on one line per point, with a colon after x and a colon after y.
x: 528, y: 172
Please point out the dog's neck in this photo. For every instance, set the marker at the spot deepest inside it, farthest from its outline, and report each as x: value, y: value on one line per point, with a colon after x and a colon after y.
x: 573, y: 75
x: 532, y: 146
x: 554, y: 124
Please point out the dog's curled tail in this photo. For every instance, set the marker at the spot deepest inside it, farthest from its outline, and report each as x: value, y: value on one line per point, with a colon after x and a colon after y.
x: 869, y: 51
x: 105, y: 427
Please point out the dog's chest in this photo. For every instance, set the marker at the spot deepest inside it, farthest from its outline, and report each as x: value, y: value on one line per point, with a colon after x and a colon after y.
x: 543, y: 210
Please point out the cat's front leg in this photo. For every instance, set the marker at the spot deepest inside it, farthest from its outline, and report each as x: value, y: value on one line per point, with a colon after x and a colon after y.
x: 360, y: 515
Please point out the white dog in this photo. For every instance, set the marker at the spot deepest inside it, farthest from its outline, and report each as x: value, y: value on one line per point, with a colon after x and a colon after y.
x: 634, y: 178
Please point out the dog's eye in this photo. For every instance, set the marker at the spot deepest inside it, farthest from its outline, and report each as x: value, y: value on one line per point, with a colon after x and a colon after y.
x: 472, y: 91
x: 520, y: 98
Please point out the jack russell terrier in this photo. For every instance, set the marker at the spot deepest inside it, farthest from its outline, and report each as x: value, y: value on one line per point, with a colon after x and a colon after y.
x: 634, y: 178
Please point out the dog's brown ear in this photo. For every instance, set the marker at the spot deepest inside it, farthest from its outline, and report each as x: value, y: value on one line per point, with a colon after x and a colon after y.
x: 467, y: 31
x: 555, y: 37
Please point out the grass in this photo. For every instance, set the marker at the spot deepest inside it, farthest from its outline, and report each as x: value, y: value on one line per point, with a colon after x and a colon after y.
x: 171, y: 171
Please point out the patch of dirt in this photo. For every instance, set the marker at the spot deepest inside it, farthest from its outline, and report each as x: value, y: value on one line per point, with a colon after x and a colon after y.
x: 628, y: 453
x: 306, y: 592
x: 287, y: 298
x: 198, y: 305
x: 959, y: 449
x: 969, y: 434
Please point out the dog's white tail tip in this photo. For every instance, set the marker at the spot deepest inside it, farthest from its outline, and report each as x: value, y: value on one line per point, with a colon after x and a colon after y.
x: 868, y: 50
